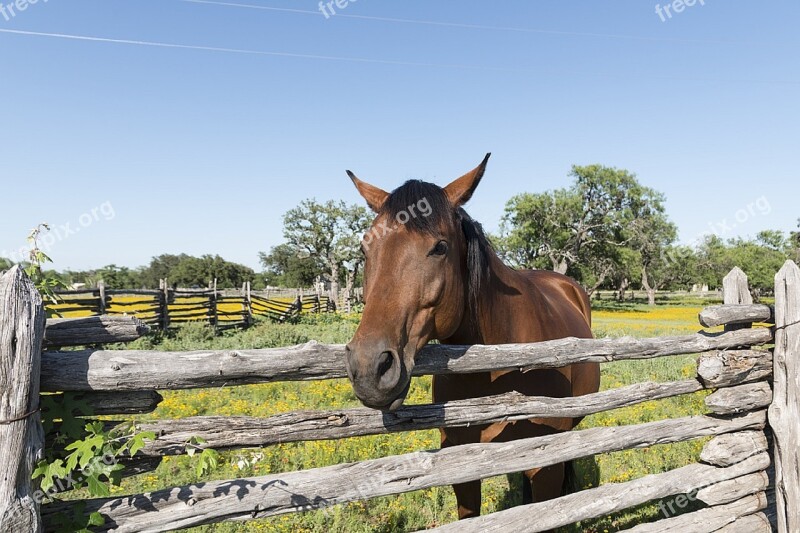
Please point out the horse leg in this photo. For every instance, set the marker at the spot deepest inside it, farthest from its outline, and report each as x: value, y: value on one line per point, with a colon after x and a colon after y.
x: 468, y: 497
x: 527, y: 487
x: 546, y: 483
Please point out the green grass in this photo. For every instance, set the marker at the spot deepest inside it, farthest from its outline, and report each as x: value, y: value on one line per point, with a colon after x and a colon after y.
x: 427, y: 508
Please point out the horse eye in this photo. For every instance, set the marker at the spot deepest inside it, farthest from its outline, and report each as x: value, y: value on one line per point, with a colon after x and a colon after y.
x: 439, y: 249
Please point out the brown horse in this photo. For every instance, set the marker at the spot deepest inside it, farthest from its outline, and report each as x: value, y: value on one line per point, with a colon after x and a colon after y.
x: 430, y: 273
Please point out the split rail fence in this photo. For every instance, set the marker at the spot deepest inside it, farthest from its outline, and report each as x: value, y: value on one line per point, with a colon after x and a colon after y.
x: 169, y: 306
x: 747, y: 474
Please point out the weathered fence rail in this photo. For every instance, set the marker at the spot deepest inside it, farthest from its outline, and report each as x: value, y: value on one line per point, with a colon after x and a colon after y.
x: 753, y: 429
x: 144, y: 370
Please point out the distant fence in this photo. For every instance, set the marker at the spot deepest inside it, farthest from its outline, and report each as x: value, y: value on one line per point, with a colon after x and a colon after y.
x: 747, y: 474
x: 169, y: 306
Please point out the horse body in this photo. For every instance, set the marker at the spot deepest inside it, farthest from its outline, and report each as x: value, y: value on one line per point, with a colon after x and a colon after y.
x: 520, y: 307
x: 437, y: 277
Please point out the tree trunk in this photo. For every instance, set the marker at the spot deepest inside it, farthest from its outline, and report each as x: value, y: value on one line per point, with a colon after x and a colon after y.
x: 334, y: 275
x: 621, y: 288
x: 560, y: 266
x: 651, y: 291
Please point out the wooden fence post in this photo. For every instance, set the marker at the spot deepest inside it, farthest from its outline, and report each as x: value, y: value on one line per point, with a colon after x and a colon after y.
x: 164, y: 307
x: 736, y: 291
x: 101, y: 287
x: 214, y: 315
x: 784, y: 413
x: 248, y: 303
x: 22, y: 322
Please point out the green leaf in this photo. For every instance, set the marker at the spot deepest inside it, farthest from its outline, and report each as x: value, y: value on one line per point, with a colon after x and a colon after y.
x: 208, y: 461
x: 137, y: 442
x: 96, y: 519
x: 49, y: 471
x: 97, y: 487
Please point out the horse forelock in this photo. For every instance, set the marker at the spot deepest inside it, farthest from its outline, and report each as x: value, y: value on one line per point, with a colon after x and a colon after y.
x: 431, y: 211
x: 424, y: 207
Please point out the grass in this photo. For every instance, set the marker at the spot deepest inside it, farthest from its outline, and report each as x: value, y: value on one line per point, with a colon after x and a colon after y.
x: 431, y: 507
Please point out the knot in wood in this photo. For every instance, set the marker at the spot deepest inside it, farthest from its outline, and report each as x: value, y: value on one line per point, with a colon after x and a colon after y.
x: 338, y: 420
x: 116, y: 366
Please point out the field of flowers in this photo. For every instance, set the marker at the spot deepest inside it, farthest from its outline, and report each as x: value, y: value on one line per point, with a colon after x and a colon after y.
x: 430, y: 507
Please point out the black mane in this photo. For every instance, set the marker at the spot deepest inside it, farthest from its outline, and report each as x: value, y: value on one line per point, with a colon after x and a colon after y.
x: 442, y: 212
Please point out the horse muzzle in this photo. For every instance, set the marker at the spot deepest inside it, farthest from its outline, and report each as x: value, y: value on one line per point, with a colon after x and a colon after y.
x: 378, y: 375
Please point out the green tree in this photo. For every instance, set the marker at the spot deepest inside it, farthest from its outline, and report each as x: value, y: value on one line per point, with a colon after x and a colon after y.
x: 160, y: 267
x: 356, y: 220
x: 286, y: 266
x: 201, y: 271
x: 651, y: 235
x: 115, y: 277
x: 794, y: 244
x: 579, y: 230
x: 627, y: 267
x: 759, y: 258
x: 330, y: 232
x: 188, y: 271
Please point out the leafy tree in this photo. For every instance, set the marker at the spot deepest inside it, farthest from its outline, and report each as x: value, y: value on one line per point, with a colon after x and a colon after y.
x: 773, y: 239
x: 200, y: 271
x: 652, y: 234
x: 188, y: 271
x: 115, y: 277
x: 794, y: 244
x: 538, y: 229
x: 760, y: 259
x: 330, y: 232
x: 579, y: 230
x: 356, y: 220
x: 286, y: 266
x: 161, y: 267
x: 627, y: 268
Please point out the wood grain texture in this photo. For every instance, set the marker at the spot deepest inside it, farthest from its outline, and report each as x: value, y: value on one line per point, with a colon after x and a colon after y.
x: 147, y: 370
x: 240, y: 499
x: 734, y: 489
x: 738, y: 366
x: 752, y: 523
x: 22, y: 322
x: 603, y: 500
x: 226, y: 431
x: 721, y: 315
x: 784, y: 413
x: 725, y: 450
x: 93, y: 330
x: 705, y: 520
x: 747, y: 397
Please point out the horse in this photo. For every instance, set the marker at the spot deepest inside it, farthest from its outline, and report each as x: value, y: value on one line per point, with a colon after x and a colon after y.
x: 430, y: 273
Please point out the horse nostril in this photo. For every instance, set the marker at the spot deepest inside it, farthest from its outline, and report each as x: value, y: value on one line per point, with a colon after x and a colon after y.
x: 385, y: 362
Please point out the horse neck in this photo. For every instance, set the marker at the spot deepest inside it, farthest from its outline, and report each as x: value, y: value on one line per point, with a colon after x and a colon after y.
x: 492, y: 312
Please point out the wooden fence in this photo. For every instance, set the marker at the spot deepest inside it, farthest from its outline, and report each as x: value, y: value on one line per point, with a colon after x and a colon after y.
x: 747, y: 474
x: 169, y: 306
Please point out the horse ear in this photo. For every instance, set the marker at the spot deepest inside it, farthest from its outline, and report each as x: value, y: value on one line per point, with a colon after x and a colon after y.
x: 460, y: 191
x: 374, y: 196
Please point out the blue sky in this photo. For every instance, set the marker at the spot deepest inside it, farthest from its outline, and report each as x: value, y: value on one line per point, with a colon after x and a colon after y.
x: 148, y: 149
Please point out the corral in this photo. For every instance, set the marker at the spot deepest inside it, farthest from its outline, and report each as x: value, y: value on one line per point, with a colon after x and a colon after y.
x: 747, y: 477
x: 168, y: 306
